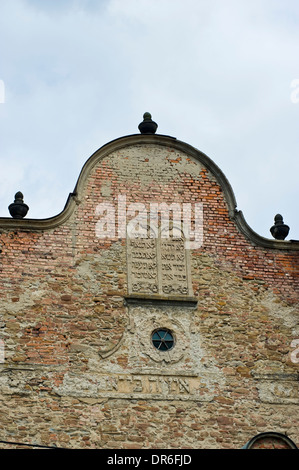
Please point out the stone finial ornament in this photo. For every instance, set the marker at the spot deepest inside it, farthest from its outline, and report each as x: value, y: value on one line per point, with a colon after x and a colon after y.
x: 18, y: 209
x: 279, y: 230
x: 147, y: 126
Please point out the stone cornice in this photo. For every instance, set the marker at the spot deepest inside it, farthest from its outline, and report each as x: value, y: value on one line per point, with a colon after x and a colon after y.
x: 7, y: 223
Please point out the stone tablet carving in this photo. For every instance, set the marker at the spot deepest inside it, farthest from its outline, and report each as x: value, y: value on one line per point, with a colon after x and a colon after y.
x: 159, y: 266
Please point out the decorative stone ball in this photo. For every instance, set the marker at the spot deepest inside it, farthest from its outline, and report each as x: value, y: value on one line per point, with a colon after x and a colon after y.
x: 147, y: 126
x: 18, y: 209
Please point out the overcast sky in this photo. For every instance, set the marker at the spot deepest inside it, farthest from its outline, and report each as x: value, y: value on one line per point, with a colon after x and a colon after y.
x: 221, y: 75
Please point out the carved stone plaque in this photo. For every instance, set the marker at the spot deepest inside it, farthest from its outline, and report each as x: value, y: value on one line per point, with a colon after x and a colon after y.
x: 158, y: 266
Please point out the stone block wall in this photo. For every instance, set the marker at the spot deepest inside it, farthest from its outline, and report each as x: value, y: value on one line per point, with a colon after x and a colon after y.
x: 77, y: 312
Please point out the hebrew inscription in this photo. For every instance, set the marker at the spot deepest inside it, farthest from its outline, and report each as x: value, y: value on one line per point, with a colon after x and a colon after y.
x: 135, y: 386
x: 158, y: 266
x: 142, y: 264
x: 174, y: 269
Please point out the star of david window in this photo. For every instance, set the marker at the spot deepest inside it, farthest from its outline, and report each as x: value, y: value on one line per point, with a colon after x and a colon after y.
x: 162, y: 339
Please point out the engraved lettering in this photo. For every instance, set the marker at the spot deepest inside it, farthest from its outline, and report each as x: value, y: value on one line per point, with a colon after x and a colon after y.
x: 146, y: 386
x: 184, y: 386
x: 154, y: 385
x: 139, y: 386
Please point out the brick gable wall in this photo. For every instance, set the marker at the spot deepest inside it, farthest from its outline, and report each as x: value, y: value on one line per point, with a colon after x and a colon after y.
x: 79, y: 370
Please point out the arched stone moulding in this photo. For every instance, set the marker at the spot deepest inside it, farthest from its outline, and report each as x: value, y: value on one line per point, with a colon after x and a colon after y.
x: 161, y: 140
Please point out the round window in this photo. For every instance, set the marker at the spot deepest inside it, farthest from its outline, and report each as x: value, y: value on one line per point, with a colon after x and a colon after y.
x: 163, y: 339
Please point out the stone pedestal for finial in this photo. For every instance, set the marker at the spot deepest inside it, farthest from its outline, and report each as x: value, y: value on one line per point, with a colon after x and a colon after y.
x: 147, y: 126
x: 18, y: 209
x: 279, y: 230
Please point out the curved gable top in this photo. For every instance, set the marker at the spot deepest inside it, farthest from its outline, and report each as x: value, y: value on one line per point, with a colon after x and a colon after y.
x: 160, y: 140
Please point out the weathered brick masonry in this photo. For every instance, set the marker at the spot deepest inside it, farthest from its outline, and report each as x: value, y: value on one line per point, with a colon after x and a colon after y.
x: 80, y: 369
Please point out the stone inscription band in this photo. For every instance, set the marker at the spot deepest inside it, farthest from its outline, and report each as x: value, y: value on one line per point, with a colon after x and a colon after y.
x: 135, y: 386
